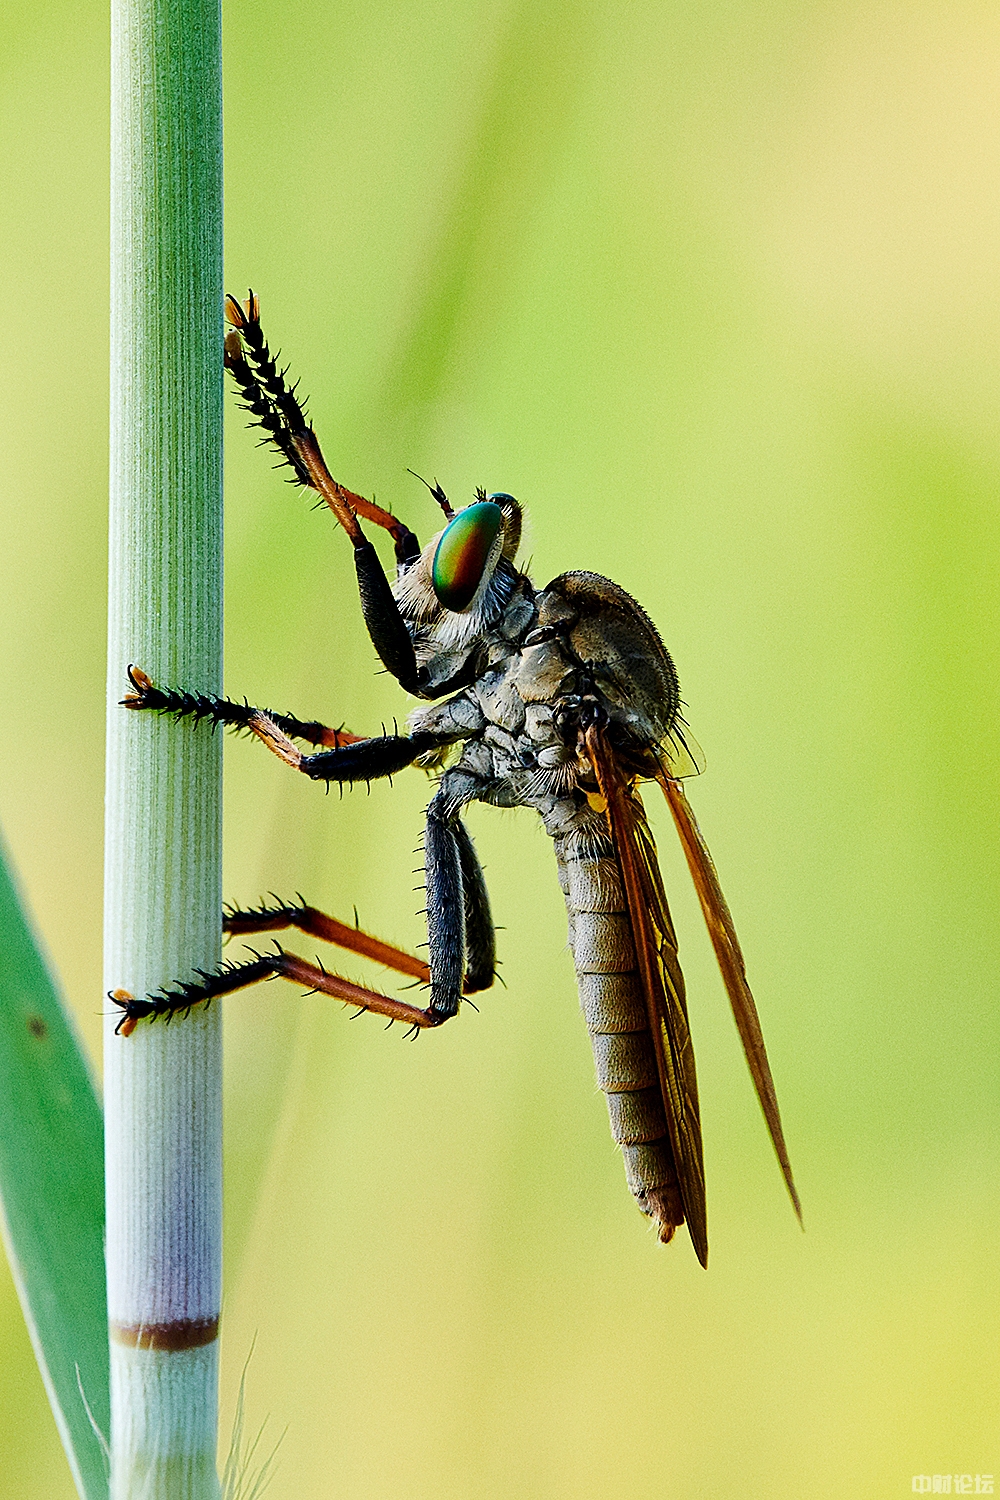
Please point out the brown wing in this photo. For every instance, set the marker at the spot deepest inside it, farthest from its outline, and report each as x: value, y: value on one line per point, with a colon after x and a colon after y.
x: 662, y: 981
x: 730, y: 957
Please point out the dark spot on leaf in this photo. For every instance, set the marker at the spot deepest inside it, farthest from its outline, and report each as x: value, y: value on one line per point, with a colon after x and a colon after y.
x: 37, y: 1027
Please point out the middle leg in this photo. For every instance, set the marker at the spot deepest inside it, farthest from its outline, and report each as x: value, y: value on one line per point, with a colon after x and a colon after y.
x: 351, y: 758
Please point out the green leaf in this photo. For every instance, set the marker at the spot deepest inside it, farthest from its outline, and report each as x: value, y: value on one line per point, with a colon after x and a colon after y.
x: 52, y: 1193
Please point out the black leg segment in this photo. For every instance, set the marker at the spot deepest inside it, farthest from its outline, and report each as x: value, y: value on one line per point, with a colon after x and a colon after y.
x: 383, y: 621
x: 367, y: 760
x: 480, y: 937
x: 460, y: 932
x: 445, y: 910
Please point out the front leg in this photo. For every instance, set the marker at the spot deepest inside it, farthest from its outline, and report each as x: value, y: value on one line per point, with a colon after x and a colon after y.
x: 274, y: 407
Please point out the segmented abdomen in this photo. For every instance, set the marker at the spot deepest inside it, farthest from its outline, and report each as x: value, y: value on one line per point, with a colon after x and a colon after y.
x: 614, y: 1008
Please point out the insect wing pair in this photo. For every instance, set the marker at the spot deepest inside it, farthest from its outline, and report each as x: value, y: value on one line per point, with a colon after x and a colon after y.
x: 619, y: 644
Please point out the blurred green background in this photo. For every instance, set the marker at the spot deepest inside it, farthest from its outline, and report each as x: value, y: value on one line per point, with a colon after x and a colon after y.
x: 714, y: 290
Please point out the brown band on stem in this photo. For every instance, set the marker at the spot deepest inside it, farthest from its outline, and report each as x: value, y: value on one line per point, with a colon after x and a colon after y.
x: 174, y: 1338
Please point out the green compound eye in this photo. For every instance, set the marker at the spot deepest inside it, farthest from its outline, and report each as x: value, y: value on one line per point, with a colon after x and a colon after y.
x: 463, y: 552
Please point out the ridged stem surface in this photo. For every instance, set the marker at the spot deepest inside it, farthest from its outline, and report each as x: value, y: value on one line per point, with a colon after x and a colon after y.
x: 163, y: 823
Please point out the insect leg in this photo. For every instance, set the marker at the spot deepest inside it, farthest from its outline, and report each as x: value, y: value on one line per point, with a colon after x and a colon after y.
x: 445, y: 909
x: 180, y: 998
x: 274, y: 407
x: 198, y: 706
x: 367, y: 760
x: 351, y: 759
x: 317, y: 924
x: 480, y: 937
x: 459, y: 926
x: 385, y: 625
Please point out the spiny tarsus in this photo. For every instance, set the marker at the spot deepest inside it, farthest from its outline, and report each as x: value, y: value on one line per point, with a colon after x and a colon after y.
x: 239, y: 717
x: 184, y: 705
x: 181, y: 998
x: 271, y: 402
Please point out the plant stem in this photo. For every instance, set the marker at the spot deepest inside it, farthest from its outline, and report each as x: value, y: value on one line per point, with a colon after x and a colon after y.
x: 163, y: 822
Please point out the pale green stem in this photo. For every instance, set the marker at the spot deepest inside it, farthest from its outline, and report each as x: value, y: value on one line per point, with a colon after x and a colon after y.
x: 163, y: 829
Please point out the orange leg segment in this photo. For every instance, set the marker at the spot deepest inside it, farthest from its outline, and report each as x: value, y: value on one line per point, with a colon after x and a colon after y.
x: 317, y: 924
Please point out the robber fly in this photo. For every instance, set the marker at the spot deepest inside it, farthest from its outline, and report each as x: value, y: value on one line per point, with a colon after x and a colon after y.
x: 561, y: 699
